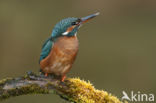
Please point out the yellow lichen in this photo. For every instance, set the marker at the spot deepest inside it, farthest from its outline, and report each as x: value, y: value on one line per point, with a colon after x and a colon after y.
x: 84, y: 92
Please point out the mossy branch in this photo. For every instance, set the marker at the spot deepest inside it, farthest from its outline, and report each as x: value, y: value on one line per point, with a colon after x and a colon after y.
x: 73, y: 89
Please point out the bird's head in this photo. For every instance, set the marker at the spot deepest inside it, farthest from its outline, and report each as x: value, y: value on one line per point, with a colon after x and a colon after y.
x: 70, y: 26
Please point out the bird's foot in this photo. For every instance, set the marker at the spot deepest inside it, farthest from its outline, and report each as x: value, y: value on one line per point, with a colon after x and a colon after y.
x: 63, y: 78
x: 46, y: 74
x: 62, y: 81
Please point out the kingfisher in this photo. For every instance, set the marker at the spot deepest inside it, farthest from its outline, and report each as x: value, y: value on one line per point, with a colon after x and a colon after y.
x: 60, y: 49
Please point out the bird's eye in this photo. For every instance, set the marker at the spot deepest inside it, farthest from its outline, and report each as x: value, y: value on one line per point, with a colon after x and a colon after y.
x: 74, y: 23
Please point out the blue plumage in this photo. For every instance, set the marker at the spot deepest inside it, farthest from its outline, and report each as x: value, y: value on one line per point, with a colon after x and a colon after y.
x: 46, y: 48
x: 59, y: 28
x: 62, y: 26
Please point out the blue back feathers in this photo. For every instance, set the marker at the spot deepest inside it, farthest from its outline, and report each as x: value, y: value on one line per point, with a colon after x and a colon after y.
x: 46, y: 49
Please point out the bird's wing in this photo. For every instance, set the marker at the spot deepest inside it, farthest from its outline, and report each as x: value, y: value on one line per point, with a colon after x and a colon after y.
x: 46, y: 48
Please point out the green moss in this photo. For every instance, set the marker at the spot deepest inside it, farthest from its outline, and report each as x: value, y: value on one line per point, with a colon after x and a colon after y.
x: 4, y: 96
x: 29, y: 89
x: 33, y: 88
x: 3, y: 81
x: 26, y: 76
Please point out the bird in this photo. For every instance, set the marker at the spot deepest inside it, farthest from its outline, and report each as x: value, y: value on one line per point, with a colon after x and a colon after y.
x: 60, y: 49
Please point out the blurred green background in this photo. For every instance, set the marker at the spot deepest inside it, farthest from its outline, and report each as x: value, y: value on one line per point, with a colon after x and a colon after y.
x: 117, y: 48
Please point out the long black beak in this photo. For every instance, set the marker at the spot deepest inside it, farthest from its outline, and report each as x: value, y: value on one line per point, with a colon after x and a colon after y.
x: 87, y: 18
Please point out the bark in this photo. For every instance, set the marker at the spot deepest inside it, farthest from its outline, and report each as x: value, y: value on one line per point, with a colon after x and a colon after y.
x: 72, y: 89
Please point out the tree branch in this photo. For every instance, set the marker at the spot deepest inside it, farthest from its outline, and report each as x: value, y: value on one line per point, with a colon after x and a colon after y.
x: 73, y: 89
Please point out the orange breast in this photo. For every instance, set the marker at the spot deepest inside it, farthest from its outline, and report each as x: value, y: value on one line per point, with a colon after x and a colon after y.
x: 61, y: 57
